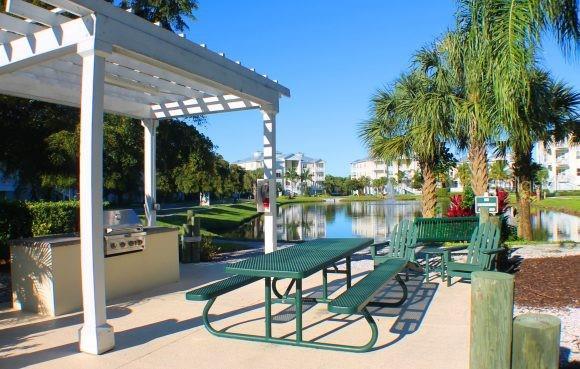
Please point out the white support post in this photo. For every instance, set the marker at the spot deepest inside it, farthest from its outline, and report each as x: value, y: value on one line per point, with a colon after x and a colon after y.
x: 96, y: 336
x: 149, y: 174
x: 270, y: 234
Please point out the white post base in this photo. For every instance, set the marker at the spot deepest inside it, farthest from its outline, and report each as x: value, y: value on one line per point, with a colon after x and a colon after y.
x: 96, y: 340
x: 270, y: 236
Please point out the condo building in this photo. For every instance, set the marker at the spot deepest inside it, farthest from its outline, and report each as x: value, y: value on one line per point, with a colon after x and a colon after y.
x: 298, y: 162
x: 562, y: 159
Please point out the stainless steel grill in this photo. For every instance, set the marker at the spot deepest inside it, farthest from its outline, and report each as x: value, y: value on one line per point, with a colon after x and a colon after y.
x: 123, y: 232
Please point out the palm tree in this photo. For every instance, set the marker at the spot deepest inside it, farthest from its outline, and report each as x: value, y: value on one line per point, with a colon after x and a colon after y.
x: 304, y: 177
x: 411, y: 120
x: 491, y: 55
x: 292, y: 176
x: 551, y: 113
x: 498, y: 171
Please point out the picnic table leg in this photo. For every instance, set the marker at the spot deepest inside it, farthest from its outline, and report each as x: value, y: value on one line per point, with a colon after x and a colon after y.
x: 324, y: 284
x: 348, y: 273
x: 426, y: 267
x: 268, y: 306
x: 444, y: 259
x: 298, y: 307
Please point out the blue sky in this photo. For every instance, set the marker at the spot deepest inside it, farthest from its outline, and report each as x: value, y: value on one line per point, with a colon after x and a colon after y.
x: 332, y: 55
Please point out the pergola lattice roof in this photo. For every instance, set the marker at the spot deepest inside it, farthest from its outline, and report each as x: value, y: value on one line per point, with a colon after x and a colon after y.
x: 150, y: 73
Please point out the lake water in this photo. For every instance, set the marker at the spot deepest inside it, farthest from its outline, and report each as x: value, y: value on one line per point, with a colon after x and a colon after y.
x: 377, y: 219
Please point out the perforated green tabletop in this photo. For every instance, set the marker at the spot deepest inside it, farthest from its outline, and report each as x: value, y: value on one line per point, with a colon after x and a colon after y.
x: 300, y: 261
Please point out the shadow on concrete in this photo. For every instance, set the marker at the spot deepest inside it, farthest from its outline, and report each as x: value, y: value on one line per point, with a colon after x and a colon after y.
x: 409, y: 316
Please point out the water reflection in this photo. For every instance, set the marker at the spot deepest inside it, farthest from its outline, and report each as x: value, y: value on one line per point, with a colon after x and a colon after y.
x: 555, y: 226
x: 374, y: 219
x: 377, y: 219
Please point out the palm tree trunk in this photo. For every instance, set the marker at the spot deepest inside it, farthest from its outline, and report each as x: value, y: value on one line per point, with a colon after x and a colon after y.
x: 429, y: 191
x: 478, y: 162
x: 523, y: 174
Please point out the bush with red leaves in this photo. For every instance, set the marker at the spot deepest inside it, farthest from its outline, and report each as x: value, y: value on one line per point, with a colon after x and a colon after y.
x: 458, y: 209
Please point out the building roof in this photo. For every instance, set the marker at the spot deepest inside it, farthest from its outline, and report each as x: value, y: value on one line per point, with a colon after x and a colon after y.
x: 301, y: 157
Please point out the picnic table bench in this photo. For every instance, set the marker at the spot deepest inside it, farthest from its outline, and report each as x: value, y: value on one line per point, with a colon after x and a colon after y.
x: 299, y: 262
x: 450, y: 229
x: 430, y: 233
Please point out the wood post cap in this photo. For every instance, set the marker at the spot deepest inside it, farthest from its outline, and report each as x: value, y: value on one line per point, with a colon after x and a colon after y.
x: 537, y: 321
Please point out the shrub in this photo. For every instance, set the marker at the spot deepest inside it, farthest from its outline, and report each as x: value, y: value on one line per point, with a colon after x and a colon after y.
x: 458, y: 209
x: 209, y: 250
x: 443, y: 192
x: 15, y: 222
x: 54, y: 217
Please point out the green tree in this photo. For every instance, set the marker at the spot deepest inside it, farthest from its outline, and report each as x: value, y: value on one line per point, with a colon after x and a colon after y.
x: 498, y: 171
x: 551, y: 112
x: 541, y: 177
x: 464, y: 174
x: 305, y: 177
x: 379, y: 184
x: 412, y: 120
x: 171, y: 14
x: 293, y: 177
x: 490, y: 56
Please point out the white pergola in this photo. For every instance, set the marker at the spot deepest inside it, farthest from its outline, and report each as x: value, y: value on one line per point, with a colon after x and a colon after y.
x: 92, y: 55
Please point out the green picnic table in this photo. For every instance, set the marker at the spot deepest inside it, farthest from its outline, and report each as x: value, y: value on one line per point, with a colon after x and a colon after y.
x: 297, y: 263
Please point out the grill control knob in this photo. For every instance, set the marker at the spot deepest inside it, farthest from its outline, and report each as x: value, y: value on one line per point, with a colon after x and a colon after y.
x: 139, y: 242
x: 131, y: 243
x: 113, y: 245
x: 122, y: 244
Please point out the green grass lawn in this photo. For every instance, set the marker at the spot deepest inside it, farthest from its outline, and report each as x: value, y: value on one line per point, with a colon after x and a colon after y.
x: 214, y: 219
x: 353, y: 198
x: 565, y: 204
x: 408, y: 197
x: 281, y: 200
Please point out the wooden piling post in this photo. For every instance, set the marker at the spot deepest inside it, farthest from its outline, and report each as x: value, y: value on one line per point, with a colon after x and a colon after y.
x: 536, y: 342
x: 491, y: 320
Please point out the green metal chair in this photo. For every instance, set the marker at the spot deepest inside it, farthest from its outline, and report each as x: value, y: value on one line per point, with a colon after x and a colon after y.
x: 481, y: 252
x: 401, y: 246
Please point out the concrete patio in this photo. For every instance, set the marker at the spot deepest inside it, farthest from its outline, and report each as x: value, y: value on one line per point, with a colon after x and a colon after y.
x: 161, y: 329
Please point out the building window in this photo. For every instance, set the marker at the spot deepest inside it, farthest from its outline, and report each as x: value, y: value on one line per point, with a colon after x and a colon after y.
x: 578, y: 172
x: 577, y: 153
x: 278, y: 175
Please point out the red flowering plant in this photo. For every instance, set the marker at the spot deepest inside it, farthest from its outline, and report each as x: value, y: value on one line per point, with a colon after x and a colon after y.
x: 458, y: 209
x: 503, y: 202
x: 462, y: 205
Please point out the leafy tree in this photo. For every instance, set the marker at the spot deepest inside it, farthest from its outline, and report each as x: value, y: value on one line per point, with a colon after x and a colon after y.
x: 292, y: 176
x: 412, y: 120
x: 187, y: 160
x: 541, y: 177
x: 305, y: 177
x: 417, y: 180
x: 171, y: 14
x: 464, y: 174
x: 379, y: 183
x: 491, y: 55
x: 498, y: 172
x: 551, y: 112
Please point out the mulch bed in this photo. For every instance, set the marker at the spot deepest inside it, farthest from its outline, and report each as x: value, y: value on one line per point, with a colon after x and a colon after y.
x: 548, y: 282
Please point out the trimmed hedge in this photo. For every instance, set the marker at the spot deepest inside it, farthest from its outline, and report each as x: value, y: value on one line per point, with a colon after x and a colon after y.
x: 54, y: 217
x: 26, y: 219
x: 15, y: 222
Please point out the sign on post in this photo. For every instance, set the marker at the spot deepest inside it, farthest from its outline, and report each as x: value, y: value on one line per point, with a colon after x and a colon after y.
x: 263, y: 196
x: 489, y: 202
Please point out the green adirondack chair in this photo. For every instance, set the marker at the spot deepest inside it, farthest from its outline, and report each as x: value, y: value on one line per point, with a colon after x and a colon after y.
x: 402, y: 244
x: 481, y: 252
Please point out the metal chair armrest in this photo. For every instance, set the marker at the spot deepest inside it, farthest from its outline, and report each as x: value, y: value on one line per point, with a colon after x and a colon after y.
x: 377, y: 246
x: 494, y: 251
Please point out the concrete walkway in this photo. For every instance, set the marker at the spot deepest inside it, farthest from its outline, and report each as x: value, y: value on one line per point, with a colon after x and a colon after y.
x: 163, y: 330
